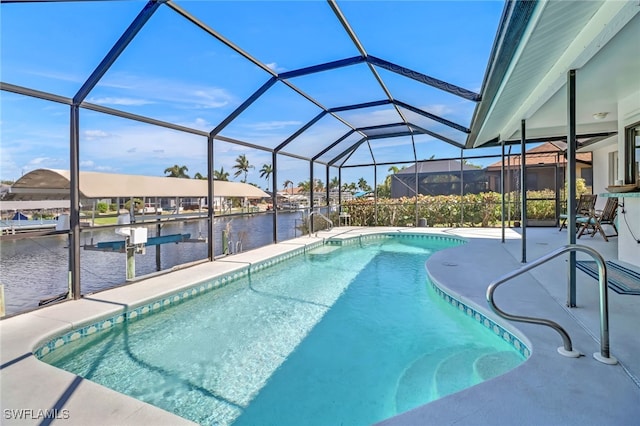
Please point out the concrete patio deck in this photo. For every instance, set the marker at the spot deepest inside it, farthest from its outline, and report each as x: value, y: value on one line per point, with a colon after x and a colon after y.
x: 547, y: 389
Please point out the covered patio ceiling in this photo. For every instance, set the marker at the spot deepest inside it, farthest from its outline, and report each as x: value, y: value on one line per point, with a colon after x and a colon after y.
x: 527, y: 77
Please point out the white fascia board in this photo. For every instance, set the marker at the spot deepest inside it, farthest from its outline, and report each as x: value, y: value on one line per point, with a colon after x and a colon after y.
x: 533, y: 23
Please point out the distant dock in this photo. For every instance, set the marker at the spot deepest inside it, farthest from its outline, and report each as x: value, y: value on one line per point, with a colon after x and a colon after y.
x: 12, y: 227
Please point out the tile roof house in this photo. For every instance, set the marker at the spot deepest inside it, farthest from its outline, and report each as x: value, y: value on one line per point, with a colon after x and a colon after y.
x: 437, y: 177
x: 546, y: 165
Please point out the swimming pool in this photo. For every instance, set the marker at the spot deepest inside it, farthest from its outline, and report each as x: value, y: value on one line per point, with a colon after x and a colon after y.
x: 342, y: 333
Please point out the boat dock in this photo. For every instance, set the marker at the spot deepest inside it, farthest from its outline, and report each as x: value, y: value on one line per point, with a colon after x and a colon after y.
x: 12, y: 227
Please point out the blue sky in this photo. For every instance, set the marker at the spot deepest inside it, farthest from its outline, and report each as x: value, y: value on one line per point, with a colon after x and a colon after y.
x: 175, y: 72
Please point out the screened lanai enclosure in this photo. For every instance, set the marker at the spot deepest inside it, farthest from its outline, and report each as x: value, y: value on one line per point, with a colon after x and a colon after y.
x: 312, y: 101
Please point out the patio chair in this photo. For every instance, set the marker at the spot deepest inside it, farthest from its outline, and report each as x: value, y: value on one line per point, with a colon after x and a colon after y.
x: 597, y: 218
x: 586, y: 204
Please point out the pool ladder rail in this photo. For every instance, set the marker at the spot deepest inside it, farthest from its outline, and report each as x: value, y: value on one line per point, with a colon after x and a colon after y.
x: 310, y: 222
x: 567, y: 348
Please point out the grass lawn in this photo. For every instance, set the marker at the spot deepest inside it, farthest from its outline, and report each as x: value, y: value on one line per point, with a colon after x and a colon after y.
x: 105, y: 220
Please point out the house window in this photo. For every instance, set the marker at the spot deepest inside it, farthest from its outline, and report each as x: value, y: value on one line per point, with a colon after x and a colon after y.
x: 532, y: 181
x: 586, y: 173
x: 632, y: 153
x: 637, y: 156
x: 613, y: 167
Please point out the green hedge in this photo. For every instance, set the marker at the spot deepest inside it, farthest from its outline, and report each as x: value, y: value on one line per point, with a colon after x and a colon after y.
x: 482, y: 210
x: 102, y: 207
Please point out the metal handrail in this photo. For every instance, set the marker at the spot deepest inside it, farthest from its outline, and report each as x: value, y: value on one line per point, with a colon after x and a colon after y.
x: 329, y: 221
x: 567, y: 349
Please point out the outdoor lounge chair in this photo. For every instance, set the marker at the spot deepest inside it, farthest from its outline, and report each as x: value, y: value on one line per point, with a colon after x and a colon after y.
x: 586, y: 204
x: 597, y: 218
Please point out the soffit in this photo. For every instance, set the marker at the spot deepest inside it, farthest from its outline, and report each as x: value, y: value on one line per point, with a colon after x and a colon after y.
x: 599, y: 39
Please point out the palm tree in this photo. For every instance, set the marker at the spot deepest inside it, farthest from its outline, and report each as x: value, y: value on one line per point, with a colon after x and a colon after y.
x: 349, y: 187
x: 265, y: 172
x: 384, y: 189
x: 305, y: 186
x: 177, y: 171
x: 242, y: 166
x: 363, y: 185
x: 386, y: 186
x: 220, y: 174
x: 334, y: 183
x: 199, y: 176
x: 467, y: 163
x: 286, y: 185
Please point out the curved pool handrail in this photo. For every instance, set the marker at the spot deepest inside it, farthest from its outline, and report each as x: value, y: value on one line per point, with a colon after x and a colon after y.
x: 310, y: 223
x: 567, y: 349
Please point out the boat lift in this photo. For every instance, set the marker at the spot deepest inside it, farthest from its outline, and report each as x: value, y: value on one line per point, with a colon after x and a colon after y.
x: 136, y: 240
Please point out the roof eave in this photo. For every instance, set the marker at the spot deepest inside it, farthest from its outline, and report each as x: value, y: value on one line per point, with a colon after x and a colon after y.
x: 513, y: 25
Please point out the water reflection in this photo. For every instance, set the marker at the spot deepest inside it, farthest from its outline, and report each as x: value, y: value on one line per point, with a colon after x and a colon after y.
x: 37, y: 268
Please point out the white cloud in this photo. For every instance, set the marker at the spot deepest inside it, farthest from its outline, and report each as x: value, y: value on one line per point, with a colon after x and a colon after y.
x: 274, y: 67
x: 369, y: 118
x: 91, y: 165
x: 211, y: 98
x: 168, y: 91
x: 13, y: 168
x: 438, y: 109
x: 120, y: 101
x: 95, y: 134
x: 39, y: 160
x: 142, y: 149
x: 104, y: 168
x: 396, y: 142
x: 272, y: 125
x: 56, y: 75
x: 200, y: 123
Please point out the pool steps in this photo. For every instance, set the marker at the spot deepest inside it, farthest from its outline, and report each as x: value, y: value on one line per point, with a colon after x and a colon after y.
x: 422, y: 380
x: 456, y: 372
x: 494, y: 364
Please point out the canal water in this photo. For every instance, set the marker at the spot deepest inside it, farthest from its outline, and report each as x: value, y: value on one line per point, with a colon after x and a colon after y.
x: 37, y: 268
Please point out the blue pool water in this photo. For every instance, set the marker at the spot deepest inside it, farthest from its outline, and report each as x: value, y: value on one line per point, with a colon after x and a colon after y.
x: 340, y: 335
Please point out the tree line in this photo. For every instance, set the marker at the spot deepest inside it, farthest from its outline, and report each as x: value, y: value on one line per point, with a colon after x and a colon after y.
x: 242, y: 167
